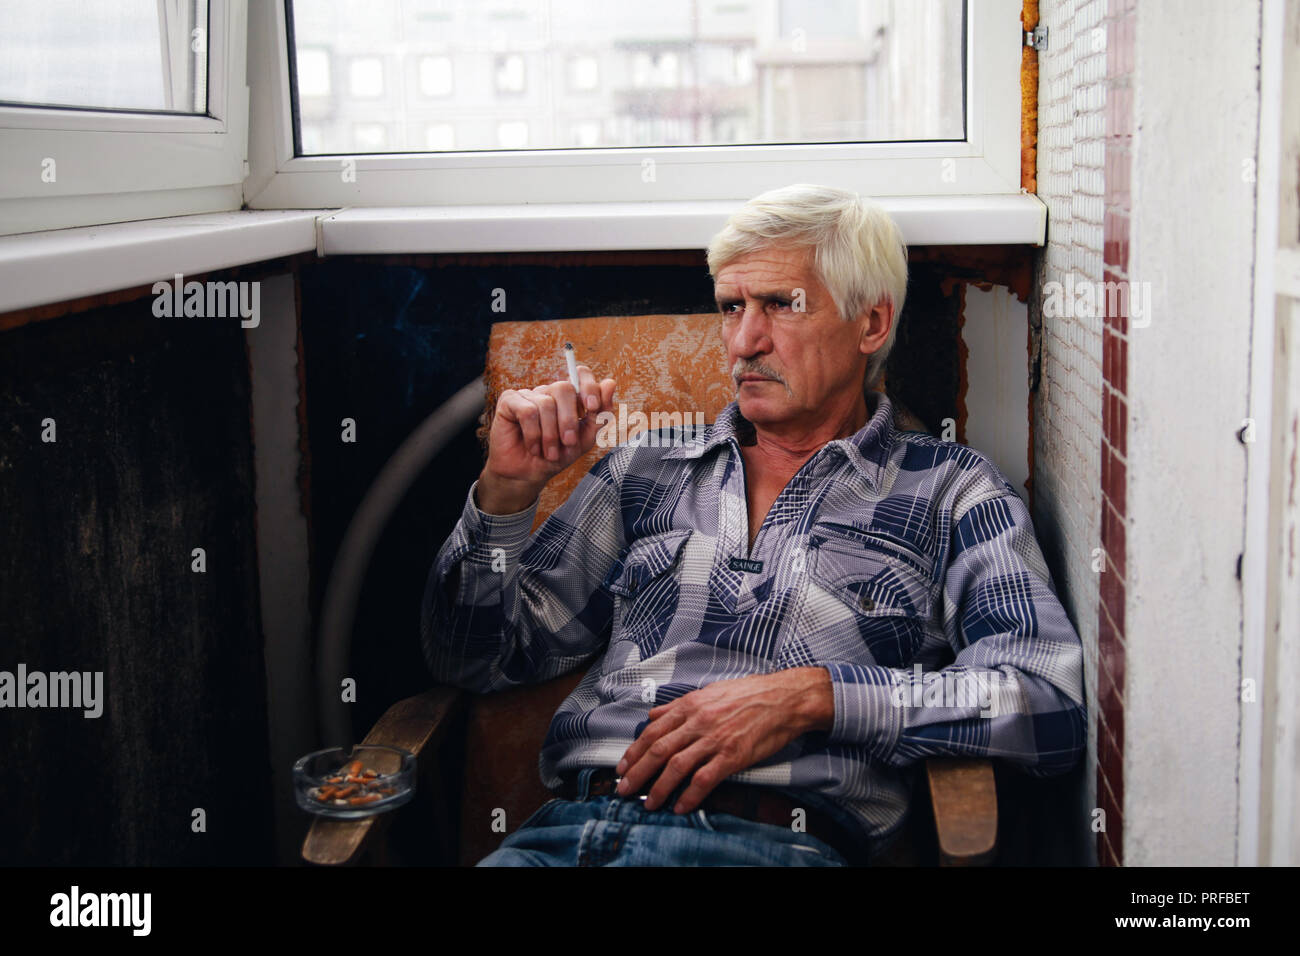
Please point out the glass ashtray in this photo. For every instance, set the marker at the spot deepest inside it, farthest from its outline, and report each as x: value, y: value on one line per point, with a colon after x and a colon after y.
x: 351, y: 784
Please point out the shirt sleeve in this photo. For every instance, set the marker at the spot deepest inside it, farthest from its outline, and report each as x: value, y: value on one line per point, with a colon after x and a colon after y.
x: 1015, y: 687
x: 504, y: 607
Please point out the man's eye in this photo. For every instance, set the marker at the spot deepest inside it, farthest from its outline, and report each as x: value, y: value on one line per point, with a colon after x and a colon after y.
x: 781, y: 303
x: 730, y: 308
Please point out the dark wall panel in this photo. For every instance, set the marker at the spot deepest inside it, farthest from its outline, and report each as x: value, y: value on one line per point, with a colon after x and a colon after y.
x: 152, y: 459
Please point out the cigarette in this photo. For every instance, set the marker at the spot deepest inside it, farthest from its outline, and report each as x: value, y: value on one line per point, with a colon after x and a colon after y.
x: 571, y: 360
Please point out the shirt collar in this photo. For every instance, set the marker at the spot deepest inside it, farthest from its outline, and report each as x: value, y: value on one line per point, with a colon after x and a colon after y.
x: 867, y: 449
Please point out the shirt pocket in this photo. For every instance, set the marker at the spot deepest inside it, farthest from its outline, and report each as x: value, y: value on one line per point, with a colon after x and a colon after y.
x: 885, y: 588
x: 646, y: 589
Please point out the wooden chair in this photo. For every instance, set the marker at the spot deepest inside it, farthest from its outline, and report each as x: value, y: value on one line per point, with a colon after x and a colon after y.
x: 478, y: 754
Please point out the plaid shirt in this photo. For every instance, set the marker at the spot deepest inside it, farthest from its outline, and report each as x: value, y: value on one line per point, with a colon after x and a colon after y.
x: 904, y: 565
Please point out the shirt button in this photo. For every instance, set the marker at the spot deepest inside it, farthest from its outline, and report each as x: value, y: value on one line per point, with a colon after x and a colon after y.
x: 866, y: 603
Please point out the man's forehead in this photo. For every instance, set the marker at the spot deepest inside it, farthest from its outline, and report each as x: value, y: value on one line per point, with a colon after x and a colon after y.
x: 773, y: 269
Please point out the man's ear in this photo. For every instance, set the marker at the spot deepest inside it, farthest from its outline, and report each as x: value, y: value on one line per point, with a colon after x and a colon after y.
x: 878, y: 320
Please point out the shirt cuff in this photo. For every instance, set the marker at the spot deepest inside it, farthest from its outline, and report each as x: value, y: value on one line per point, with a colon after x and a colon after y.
x: 510, y: 532
x: 866, y: 708
x: 482, y: 543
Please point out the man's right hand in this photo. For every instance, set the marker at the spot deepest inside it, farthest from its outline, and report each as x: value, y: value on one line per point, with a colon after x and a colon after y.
x: 535, y: 435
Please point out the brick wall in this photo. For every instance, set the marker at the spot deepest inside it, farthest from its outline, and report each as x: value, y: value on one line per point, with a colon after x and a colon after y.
x: 1068, y: 408
x: 1121, y: 21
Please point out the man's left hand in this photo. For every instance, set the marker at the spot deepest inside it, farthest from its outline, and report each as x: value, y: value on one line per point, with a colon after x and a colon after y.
x: 721, y: 729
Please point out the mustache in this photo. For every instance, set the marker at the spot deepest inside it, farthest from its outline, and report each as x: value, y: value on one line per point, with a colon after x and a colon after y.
x: 743, y: 367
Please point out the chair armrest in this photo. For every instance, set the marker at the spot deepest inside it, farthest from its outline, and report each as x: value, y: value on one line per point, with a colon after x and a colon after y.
x: 417, y: 724
x: 965, y: 801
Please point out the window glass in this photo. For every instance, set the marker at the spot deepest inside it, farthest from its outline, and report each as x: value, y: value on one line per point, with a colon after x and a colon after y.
x: 591, y: 73
x: 121, y: 55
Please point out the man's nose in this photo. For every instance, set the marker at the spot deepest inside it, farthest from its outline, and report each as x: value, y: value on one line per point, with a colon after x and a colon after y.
x: 753, y: 332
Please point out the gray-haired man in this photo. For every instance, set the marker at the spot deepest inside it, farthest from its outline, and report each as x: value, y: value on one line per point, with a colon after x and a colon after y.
x: 784, y: 581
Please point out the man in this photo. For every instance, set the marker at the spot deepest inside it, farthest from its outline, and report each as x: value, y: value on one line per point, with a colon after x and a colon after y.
x: 769, y: 601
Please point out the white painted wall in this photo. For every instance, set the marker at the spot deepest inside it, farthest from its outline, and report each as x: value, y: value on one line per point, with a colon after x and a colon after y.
x: 1193, y: 240
x: 997, y: 380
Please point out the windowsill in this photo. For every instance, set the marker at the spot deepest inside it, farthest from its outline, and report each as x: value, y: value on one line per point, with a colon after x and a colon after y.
x: 584, y: 227
x: 37, y: 268
x: 59, y: 265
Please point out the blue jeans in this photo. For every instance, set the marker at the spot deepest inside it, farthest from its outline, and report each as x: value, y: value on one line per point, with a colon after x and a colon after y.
x: 615, y: 831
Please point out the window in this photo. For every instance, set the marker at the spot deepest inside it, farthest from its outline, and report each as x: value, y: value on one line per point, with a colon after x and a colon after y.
x: 145, y: 117
x: 678, y: 100
x: 367, y: 77
x: 586, y: 133
x: 840, y: 71
x: 512, y: 135
x: 510, y: 73
x: 130, y: 55
x: 435, y: 76
x: 584, y: 73
x: 502, y: 103
x: 439, y: 137
x: 370, y: 136
x: 654, y: 69
x: 313, y: 74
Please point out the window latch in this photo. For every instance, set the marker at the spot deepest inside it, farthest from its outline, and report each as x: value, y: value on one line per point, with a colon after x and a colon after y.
x: 1036, y: 38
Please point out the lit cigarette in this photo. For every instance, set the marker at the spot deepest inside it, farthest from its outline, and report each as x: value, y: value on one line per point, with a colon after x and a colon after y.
x: 571, y: 361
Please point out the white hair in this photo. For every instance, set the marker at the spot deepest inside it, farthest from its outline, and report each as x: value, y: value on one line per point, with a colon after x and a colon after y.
x: 858, y: 252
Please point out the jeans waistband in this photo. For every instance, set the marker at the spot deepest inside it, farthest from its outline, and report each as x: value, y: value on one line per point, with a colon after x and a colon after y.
x: 851, y: 841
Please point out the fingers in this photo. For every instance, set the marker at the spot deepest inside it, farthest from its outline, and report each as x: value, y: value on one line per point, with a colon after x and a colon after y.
x: 555, y: 421
x: 703, y: 782
x: 593, y: 396
x: 517, y: 404
x: 639, y: 763
x: 673, y: 749
x: 566, y: 412
x: 679, y: 766
x: 544, y: 404
x: 603, y: 396
x: 589, y: 390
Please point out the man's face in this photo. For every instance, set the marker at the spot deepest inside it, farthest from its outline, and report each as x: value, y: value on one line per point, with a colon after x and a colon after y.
x: 791, y: 368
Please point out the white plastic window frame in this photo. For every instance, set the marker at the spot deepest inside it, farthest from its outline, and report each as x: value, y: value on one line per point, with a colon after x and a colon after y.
x: 986, y: 163
x: 123, y: 166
